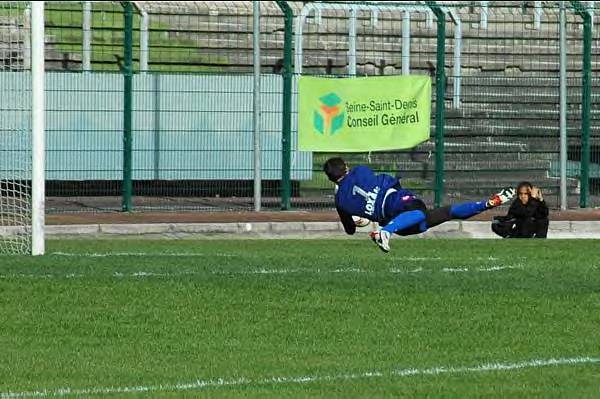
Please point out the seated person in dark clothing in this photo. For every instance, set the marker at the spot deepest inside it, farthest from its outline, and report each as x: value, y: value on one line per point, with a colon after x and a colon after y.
x: 527, y: 216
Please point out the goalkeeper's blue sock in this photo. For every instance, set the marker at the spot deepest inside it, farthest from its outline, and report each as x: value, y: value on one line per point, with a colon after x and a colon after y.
x: 405, y: 220
x: 467, y: 209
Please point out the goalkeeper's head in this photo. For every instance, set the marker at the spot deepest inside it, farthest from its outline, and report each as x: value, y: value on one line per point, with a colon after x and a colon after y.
x: 335, y: 169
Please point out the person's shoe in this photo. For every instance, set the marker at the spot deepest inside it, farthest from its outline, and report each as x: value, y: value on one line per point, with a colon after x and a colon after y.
x: 382, y: 239
x: 502, y: 197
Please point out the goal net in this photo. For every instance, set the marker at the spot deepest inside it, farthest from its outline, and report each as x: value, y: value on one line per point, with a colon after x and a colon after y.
x: 21, y: 125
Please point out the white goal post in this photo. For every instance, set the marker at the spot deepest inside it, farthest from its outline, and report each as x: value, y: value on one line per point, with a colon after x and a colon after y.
x: 22, y: 125
x: 38, y: 108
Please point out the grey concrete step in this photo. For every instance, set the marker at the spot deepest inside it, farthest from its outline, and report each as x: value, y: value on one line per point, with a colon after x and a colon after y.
x: 525, y: 111
x: 475, y: 182
x: 428, y: 174
x: 537, y: 128
x: 529, y: 98
x: 476, y: 176
x: 503, y: 81
x: 465, y: 158
x: 489, y: 164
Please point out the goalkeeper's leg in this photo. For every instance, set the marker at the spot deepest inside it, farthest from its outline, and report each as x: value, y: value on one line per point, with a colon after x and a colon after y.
x: 457, y: 211
x: 440, y: 215
x: 460, y: 211
x: 418, y: 221
x: 466, y: 210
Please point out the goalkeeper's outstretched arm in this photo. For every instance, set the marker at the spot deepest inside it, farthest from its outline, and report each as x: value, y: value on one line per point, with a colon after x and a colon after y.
x: 347, y: 221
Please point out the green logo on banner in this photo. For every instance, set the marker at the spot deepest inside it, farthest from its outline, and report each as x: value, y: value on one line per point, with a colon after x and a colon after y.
x: 328, y: 118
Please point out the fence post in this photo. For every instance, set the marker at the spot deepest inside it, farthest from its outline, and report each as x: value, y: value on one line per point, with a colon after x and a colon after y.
x: 586, y: 102
x: 564, y: 203
x: 86, y: 62
x: 440, y: 89
x: 286, y: 126
x: 127, y: 187
x: 256, y: 107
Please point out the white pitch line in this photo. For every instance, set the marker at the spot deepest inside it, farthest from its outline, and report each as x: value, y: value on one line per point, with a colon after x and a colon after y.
x: 138, y: 254
x: 400, y: 271
x: 455, y: 269
x: 262, y: 271
x: 222, y: 382
x: 481, y: 269
x: 221, y: 254
x: 228, y: 255
x: 498, y: 268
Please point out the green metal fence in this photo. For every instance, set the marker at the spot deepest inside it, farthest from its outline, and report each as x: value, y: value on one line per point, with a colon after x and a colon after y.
x: 365, y: 39
x: 588, y: 153
x: 501, y: 84
x: 191, y: 99
x: 191, y: 107
x: 507, y: 126
x: 595, y: 114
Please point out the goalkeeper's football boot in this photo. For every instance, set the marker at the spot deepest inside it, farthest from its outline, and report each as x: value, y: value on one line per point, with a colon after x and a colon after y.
x: 505, y: 195
x: 382, y: 239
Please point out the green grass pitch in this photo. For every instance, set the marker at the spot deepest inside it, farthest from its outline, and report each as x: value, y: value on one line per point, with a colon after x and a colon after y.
x: 302, y: 318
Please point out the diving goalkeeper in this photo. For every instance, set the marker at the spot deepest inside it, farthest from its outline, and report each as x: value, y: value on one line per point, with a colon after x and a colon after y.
x: 381, y: 198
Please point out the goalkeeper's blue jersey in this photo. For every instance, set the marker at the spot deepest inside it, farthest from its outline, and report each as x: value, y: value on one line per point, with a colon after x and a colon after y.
x: 361, y: 193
